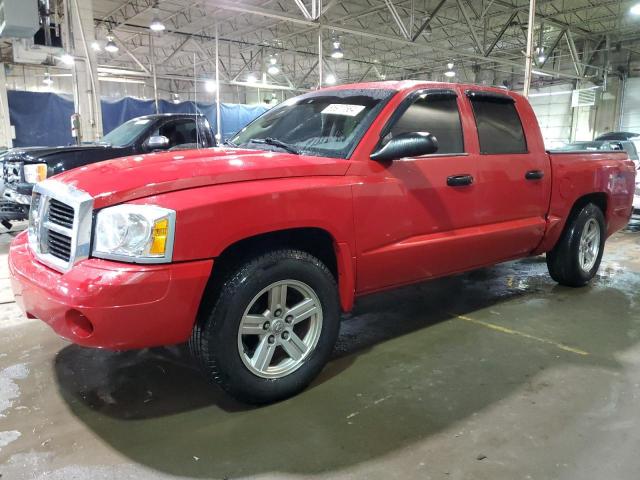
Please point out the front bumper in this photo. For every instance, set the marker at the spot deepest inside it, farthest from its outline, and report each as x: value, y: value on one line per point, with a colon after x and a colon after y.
x: 112, y: 305
x: 14, y: 205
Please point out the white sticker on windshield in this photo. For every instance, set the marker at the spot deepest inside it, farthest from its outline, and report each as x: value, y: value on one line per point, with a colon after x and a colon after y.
x: 343, y: 109
x: 142, y: 121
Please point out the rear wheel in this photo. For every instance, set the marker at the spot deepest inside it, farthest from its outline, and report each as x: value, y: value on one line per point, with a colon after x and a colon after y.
x: 272, y: 329
x: 575, y: 260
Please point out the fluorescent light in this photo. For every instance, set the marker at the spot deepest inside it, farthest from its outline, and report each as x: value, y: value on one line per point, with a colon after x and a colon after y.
x: 635, y: 10
x: 251, y: 78
x: 210, y: 86
x: 551, y: 94
x: 330, y: 79
x: 67, y: 59
x: 273, y: 60
x: 103, y: 78
x: 95, y: 46
x: 450, y: 73
x: 273, y: 69
x: 156, y: 25
x: 542, y: 74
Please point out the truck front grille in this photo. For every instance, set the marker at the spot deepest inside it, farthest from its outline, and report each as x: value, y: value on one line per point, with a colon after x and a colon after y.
x: 61, y: 214
x: 12, y: 173
x: 60, y: 224
x: 59, y: 245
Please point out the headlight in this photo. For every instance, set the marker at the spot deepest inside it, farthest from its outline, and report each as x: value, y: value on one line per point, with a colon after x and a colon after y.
x: 35, y: 173
x: 135, y: 233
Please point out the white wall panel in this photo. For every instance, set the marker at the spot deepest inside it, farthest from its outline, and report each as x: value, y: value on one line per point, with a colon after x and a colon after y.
x: 631, y: 107
x: 552, y: 106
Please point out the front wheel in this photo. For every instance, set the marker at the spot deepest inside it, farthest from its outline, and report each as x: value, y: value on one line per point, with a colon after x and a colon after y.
x: 272, y: 329
x: 575, y: 259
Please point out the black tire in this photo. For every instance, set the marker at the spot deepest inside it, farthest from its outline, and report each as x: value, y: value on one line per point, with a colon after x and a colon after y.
x: 563, y: 261
x: 214, y: 341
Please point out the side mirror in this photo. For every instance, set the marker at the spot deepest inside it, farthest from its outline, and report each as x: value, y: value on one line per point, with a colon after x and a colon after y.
x: 157, y: 142
x: 413, y: 144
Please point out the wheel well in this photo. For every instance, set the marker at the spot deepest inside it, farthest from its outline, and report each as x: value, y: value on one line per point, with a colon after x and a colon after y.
x: 315, y: 241
x: 598, y: 199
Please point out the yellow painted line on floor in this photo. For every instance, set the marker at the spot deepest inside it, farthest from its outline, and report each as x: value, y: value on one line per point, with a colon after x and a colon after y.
x: 510, y: 331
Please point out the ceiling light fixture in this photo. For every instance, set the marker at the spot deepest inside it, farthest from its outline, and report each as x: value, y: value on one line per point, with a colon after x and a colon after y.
x: 111, y: 46
x: 330, y: 79
x: 47, y: 79
x: 67, y: 59
x: 251, y: 78
x: 450, y: 73
x: 175, y: 97
x: 210, y: 86
x: 95, y: 46
x: 337, y: 50
x: 541, y: 55
x: 635, y: 10
x: 156, y: 25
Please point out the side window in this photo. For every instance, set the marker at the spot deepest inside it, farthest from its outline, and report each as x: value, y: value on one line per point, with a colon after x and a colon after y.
x: 499, y: 126
x: 206, y: 136
x: 438, y: 115
x: 179, y: 132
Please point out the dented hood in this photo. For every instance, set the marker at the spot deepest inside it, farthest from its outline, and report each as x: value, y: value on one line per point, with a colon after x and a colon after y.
x: 130, y: 178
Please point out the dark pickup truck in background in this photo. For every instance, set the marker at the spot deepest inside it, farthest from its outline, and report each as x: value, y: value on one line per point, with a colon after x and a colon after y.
x: 22, y: 168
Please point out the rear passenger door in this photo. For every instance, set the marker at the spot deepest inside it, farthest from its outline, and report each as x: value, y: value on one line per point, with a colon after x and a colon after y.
x: 513, y: 174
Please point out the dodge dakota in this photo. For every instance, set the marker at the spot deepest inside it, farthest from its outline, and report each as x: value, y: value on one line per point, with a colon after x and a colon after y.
x: 251, y: 250
x: 21, y: 168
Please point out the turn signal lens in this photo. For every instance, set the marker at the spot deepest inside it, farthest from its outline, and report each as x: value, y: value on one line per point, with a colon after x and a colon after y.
x: 159, y: 237
x: 35, y: 173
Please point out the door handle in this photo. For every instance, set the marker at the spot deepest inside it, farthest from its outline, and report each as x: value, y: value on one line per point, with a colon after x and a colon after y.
x: 459, y: 180
x: 534, y: 175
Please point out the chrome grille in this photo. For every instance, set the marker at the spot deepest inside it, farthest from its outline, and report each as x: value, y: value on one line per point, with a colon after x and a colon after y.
x: 60, y: 214
x: 12, y: 173
x: 59, y: 245
x: 60, y: 224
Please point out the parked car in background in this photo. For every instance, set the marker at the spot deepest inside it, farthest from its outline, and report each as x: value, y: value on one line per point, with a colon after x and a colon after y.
x: 22, y: 168
x: 251, y: 251
x: 618, y: 136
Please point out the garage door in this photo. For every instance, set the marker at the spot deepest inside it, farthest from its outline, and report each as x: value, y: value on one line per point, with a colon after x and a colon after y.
x: 631, y: 106
x: 553, y: 110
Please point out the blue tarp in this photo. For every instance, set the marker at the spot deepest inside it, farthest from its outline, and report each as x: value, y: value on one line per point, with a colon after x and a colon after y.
x: 42, y: 119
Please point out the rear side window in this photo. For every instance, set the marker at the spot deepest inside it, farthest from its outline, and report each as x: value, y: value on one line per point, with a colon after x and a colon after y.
x: 438, y: 115
x: 499, y: 126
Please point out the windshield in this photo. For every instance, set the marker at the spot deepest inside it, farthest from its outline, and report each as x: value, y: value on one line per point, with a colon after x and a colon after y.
x: 126, y: 133
x: 328, y: 124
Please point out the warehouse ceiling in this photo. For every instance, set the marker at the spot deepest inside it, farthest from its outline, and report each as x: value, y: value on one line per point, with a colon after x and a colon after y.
x: 380, y: 39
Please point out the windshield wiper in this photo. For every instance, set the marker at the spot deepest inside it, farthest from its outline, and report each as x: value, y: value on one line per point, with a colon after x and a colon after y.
x: 276, y: 143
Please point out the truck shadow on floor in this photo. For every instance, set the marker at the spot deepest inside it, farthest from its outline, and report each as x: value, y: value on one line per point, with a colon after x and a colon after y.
x: 404, y: 369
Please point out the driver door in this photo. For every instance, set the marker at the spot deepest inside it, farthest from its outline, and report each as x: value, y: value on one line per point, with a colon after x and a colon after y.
x: 416, y: 217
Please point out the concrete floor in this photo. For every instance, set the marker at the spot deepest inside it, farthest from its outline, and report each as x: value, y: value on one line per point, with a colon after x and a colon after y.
x: 495, y: 374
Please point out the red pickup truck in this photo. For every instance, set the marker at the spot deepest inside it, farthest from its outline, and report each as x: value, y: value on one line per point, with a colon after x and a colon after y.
x: 251, y: 250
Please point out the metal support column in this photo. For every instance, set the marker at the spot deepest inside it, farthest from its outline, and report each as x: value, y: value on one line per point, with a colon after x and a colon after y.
x: 154, y: 76
x: 320, y: 62
x: 218, y: 116
x: 78, y: 35
x: 528, y: 68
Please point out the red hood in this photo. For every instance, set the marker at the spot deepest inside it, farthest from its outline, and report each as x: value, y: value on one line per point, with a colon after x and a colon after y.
x: 129, y: 178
